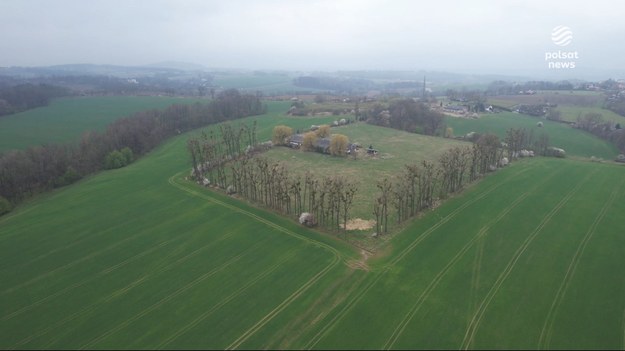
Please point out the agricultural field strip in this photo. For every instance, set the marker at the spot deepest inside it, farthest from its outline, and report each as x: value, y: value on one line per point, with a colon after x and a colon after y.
x: 224, y: 301
x: 337, y: 259
x: 92, y: 278
x: 479, y: 314
x: 402, y: 254
x: 434, y: 283
x: 85, y: 281
x: 171, y: 296
x: 547, y: 330
x: 125, y: 289
x: 75, y: 262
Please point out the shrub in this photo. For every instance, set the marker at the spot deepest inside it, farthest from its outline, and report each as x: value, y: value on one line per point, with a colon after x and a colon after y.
x: 5, y: 206
x: 338, y: 145
x: 323, y: 131
x: 280, y: 134
x: 308, y: 144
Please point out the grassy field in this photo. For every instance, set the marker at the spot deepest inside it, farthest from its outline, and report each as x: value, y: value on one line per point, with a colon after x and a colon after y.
x: 574, y: 141
x: 67, y: 118
x: 571, y: 104
x: 530, y: 257
x: 396, y: 149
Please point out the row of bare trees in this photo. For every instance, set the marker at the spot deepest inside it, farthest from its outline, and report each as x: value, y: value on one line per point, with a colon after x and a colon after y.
x: 24, y: 173
x: 418, y: 186
x: 226, y: 160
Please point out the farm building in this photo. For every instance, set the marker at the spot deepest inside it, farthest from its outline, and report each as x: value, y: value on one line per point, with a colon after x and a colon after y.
x: 455, y: 109
x: 296, y: 141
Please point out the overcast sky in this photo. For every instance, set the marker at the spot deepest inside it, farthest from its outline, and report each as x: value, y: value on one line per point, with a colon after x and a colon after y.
x: 478, y: 36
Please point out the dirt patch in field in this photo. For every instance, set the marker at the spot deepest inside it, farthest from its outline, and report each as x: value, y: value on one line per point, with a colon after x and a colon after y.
x: 359, y: 224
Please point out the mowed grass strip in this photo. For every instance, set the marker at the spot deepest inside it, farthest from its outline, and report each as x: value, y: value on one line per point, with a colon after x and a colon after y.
x: 65, y: 119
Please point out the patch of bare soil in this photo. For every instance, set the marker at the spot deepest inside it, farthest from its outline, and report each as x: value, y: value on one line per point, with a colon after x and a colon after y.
x: 359, y: 224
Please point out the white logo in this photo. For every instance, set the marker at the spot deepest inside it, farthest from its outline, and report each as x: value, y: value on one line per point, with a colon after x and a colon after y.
x: 561, y: 35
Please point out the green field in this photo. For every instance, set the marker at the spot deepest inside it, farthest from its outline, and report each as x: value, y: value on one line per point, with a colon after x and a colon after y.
x: 530, y: 257
x: 396, y: 149
x: 576, y: 142
x: 66, y: 119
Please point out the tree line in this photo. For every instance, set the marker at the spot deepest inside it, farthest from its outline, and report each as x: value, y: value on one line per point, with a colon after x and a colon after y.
x: 23, y: 97
x: 407, y: 115
x: 227, y: 160
x: 418, y: 186
x: 24, y: 173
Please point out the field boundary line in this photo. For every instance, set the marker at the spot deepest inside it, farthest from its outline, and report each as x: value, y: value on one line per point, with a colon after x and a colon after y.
x: 171, y: 296
x: 437, y: 279
x: 547, y: 330
x: 225, y: 300
x: 120, y: 292
x: 477, y: 317
x: 315, y: 340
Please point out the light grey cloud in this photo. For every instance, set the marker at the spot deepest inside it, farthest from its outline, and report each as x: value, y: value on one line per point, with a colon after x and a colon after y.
x: 479, y: 36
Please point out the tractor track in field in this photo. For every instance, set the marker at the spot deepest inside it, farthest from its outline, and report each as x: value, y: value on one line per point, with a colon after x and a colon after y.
x: 338, y: 258
x: 479, y: 314
x: 169, y: 297
x: 434, y: 283
x: 121, y: 291
x: 224, y: 301
x: 323, y: 332
x: 480, y: 236
x: 75, y: 262
x: 90, y: 279
x: 547, y: 329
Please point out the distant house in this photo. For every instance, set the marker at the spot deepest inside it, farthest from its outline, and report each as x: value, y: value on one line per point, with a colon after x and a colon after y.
x: 455, y: 109
x: 296, y: 141
x: 323, y: 145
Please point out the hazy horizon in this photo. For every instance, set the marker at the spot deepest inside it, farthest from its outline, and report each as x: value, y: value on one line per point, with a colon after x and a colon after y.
x: 483, y: 37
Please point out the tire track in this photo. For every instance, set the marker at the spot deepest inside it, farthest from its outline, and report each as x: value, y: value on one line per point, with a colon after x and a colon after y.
x: 434, y: 283
x: 283, y: 305
x: 479, y: 314
x: 337, y: 258
x: 169, y: 297
x: 224, y: 301
x: 547, y: 330
x: 92, y: 278
x: 323, y: 332
x: 119, y: 292
x: 75, y: 262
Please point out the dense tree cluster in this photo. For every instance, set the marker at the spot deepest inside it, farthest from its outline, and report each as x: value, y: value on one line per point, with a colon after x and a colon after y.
x: 235, y: 168
x: 40, y: 168
x: 26, y: 96
x: 408, y: 115
x: 595, y: 123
